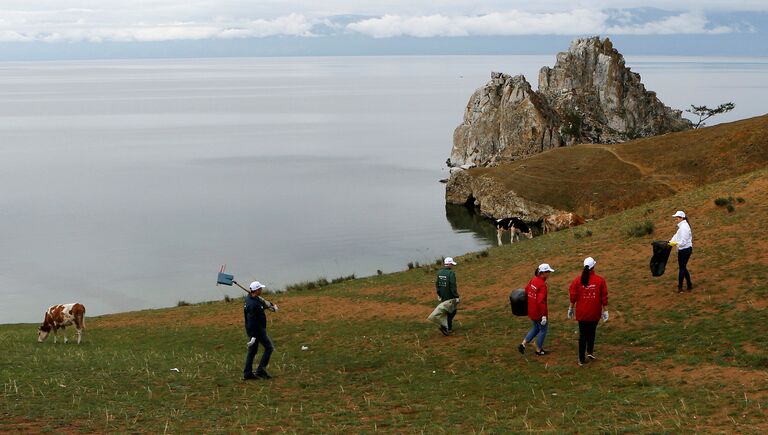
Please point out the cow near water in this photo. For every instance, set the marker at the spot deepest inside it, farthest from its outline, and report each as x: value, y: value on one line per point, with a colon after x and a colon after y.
x: 557, y: 222
x: 515, y: 226
x: 59, y: 317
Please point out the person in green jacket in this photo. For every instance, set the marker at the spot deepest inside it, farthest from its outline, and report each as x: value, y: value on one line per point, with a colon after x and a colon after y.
x: 447, y: 293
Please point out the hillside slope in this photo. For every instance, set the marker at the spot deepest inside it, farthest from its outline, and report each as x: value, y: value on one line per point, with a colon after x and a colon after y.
x: 596, y: 180
x: 668, y: 362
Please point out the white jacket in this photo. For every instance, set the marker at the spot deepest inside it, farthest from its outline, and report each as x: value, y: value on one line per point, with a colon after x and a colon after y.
x: 683, y: 237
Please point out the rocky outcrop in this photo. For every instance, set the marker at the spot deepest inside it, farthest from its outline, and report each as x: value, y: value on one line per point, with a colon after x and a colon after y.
x: 504, y: 120
x: 491, y: 198
x: 588, y: 96
x: 600, y: 99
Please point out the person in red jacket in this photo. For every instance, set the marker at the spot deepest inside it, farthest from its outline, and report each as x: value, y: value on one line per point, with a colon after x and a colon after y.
x: 589, y: 297
x: 536, y: 290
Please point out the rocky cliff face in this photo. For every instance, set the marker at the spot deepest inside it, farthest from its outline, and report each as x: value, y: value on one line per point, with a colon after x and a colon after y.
x: 588, y: 96
x: 504, y: 120
x: 600, y: 99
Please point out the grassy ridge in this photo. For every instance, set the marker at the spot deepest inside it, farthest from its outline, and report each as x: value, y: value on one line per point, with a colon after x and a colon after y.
x: 601, y: 179
x: 668, y: 362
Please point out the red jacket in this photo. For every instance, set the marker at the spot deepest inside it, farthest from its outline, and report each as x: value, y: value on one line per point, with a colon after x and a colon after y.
x: 537, y: 298
x: 591, y: 299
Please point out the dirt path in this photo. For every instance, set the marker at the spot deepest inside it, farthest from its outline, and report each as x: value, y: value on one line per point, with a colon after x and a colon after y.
x: 644, y: 171
x: 548, y: 178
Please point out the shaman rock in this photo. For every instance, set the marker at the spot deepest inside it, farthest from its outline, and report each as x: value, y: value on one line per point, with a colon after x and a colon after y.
x: 504, y: 120
x: 588, y: 96
x: 601, y: 100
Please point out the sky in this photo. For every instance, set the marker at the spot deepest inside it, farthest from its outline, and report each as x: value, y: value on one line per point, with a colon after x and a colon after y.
x: 126, y: 28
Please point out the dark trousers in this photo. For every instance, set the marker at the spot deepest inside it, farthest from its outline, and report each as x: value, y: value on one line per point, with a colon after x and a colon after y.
x: 450, y: 317
x: 263, y: 339
x: 683, y: 255
x: 586, y: 338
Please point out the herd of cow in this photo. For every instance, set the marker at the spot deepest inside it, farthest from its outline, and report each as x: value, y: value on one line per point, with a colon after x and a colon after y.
x: 60, y: 316
x: 554, y: 222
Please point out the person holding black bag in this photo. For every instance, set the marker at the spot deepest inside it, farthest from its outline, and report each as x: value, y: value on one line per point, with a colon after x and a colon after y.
x: 536, y: 292
x: 683, y: 240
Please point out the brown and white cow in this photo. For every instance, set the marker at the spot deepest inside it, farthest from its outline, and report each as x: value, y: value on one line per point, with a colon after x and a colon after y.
x: 557, y: 222
x: 59, y: 317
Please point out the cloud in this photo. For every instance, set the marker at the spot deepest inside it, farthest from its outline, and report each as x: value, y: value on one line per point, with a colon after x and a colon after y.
x: 578, y: 21
x: 684, y: 23
x: 514, y: 22
x: 84, y: 25
x: 167, y: 20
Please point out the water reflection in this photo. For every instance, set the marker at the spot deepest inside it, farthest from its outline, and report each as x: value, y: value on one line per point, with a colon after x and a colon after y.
x: 469, y: 220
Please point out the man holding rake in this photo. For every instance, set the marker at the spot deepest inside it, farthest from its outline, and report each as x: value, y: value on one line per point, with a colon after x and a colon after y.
x: 256, y: 328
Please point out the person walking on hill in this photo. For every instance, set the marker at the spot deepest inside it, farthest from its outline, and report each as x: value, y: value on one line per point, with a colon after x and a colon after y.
x: 683, y: 240
x: 256, y: 328
x: 589, y: 299
x: 448, y: 295
x: 536, y: 290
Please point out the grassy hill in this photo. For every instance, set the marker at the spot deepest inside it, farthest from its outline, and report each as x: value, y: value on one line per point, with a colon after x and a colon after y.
x: 667, y: 362
x: 599, y: 179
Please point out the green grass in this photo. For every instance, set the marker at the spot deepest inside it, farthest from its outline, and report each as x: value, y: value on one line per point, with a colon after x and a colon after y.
x: 379, y: 380
x: 386, y: 376
x: 668, y: 363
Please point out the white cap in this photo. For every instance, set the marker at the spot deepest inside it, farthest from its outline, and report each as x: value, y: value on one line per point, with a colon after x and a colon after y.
x: 589, y: 262
x: 679, y: 214
x: 449, y: 260
x: 256, y: 285
x: 544, y: 267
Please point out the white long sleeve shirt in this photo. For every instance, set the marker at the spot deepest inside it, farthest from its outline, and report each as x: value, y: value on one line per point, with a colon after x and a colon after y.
x: 683, y: 236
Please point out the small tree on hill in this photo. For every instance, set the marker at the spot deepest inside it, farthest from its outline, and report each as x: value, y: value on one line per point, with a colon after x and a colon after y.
x: 705, y: 112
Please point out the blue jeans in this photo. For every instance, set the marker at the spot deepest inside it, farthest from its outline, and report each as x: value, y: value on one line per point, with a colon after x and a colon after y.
x: 537, y: 329
x: 263, y: 338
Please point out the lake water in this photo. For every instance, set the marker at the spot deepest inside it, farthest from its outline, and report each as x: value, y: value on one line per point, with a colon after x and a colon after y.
x: 127, y: 184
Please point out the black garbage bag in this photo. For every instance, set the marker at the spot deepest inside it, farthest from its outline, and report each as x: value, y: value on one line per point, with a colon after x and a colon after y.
x: 661, y: 251
x: 518, y: 300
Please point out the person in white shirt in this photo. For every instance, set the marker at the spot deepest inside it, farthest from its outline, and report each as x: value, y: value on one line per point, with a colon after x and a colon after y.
x: 683, y: 240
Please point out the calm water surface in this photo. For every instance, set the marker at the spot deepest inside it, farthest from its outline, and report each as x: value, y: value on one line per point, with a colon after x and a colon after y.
x: 126, y: 184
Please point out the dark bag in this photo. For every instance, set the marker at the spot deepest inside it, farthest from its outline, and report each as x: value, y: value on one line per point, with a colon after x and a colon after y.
x: 661, y: 251
x: 518, y: 301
